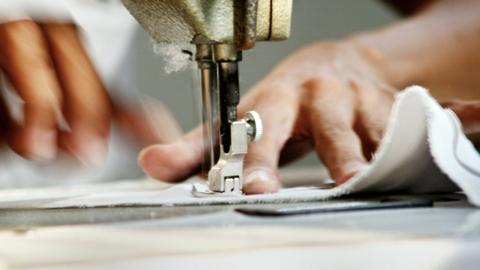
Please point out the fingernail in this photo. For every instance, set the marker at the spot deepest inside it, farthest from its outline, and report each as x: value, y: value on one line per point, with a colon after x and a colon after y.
x: 43, y: 144
x: 151, y: 164
x: 260, y: 181
x: 92, y: 153
x: 258, y: 176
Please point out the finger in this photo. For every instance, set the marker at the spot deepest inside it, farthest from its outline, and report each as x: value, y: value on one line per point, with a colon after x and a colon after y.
x: 176, y: 161
x: 25, y: 60
x: 332, y: 117
x: 86, y: 106
x: 278, y: 108
x: 372, y: 118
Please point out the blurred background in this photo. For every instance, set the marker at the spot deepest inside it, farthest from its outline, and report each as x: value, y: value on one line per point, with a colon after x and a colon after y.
x: 313, y: 20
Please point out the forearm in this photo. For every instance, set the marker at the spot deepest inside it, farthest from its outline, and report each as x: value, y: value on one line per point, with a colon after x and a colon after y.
x: 438, y: 48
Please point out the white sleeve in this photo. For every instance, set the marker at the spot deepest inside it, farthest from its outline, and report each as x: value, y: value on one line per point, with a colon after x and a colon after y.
x: 108, y: 34
x: 106, y: 26
x: 39, y: 10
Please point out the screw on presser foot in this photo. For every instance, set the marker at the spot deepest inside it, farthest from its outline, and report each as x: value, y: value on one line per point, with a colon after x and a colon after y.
x: 226, y: 177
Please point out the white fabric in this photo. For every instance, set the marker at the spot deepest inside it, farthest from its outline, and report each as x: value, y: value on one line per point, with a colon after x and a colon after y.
x: 424, y: 151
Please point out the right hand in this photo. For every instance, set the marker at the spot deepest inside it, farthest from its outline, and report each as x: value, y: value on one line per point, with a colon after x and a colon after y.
x: 336, y: 97
x: 330, y: 97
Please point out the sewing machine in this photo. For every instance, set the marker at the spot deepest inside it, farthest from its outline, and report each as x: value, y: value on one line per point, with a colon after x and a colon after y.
x: 220, y: 236
x: 220, y: 31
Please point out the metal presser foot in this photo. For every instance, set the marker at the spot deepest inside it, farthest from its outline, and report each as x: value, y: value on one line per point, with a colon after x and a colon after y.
x: 226, y: 177
x: 218, y: 66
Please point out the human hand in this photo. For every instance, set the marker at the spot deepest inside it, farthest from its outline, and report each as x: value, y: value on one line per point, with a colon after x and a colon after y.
x: 336, y: 97
x: 51, y: 72
x: 331, y: 97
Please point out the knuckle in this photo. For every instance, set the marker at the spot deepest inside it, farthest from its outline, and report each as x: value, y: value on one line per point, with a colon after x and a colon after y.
x: 356, y: 86
x: 333, y: 133
x: 43, y: 102
x: 320, y: 86
x: 312, y: 86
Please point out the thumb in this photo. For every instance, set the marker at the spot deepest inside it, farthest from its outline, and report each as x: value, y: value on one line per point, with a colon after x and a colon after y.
x: 176, y: 161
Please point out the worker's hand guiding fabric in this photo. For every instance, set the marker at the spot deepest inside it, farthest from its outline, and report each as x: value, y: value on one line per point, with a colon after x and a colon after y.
x: 335, y: 97
x: 320, y: 97
x: 330, y: 97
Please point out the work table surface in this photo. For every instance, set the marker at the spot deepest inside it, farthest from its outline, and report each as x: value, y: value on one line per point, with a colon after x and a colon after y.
x: 445, y: 236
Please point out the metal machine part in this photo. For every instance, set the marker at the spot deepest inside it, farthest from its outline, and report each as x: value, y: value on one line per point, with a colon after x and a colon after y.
x: 208, y: 76
x: 227, y: 175
x: 238, y: 22
x: 227, y: 57
x: 220, y: 30
x: 218, y: 66
x: 335, y: 207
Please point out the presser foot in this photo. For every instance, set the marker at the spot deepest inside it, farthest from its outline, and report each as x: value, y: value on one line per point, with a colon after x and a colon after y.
x: 226, y: 176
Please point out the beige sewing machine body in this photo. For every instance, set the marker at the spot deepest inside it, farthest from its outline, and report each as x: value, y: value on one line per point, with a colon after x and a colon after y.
x: 237, y: 22
x: 220, y: 31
